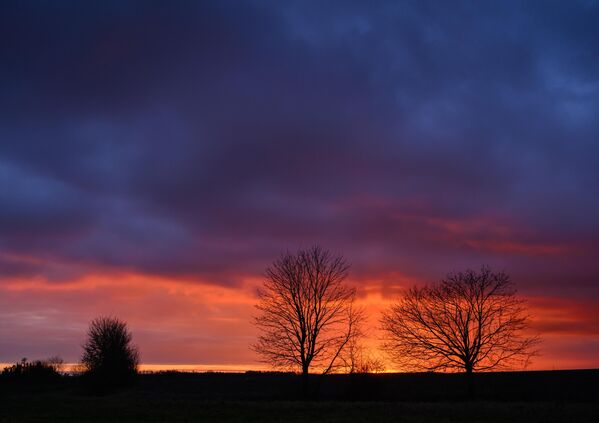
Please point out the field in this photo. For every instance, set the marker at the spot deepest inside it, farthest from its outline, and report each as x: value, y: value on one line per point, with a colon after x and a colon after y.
x: 500, y: 397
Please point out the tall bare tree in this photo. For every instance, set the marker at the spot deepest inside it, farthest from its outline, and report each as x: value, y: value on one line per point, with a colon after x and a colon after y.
x: 470, y: 321
x: 307, y: 313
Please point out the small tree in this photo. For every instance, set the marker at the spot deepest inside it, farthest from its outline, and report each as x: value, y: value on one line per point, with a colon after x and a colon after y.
x: 307, y: 314
x: 108, y: 355
x: 470, y: 321
x: 358, y: 360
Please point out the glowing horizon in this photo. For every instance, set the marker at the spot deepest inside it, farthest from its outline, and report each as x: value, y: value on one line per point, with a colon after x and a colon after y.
x: 224, y: 329
x: 155, y: 159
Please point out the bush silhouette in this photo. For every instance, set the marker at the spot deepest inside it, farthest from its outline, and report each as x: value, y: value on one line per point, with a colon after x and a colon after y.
x: 109, y: 358
x: 36, y: 368
x: 34, y: 372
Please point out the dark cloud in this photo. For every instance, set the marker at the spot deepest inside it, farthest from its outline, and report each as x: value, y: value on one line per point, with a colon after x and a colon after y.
x: 203, y: 139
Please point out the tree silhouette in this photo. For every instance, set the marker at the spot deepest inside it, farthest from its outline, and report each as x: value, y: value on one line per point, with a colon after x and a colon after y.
x: 357, y: 359
x: 307, y: 314
x: 471, y: 321
x: 37, y: 371
x: 108, y: 355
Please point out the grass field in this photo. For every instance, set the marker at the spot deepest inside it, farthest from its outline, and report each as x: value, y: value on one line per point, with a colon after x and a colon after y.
x: 253, y: 398
x: 128, y: 407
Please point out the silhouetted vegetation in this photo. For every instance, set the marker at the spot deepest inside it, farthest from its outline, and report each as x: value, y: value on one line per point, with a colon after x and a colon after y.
x: 470, y: 321
x: 307, y: 313
x: 357, y: 359
x: 33, y: 372
x: 109, y: 358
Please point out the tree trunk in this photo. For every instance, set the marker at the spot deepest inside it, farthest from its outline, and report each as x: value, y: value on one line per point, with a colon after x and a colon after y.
x: 305, y: 382
x: 470, y: 381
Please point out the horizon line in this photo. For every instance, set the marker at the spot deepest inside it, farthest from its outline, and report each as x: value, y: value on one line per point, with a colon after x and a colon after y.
x: 244, y: 368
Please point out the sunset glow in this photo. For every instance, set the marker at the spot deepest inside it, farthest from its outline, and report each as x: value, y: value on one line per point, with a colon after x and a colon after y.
x: 213, y: 322
x: 155, y: 161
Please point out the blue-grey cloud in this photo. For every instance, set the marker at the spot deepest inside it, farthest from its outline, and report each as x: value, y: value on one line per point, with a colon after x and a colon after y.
x: 202, y: 139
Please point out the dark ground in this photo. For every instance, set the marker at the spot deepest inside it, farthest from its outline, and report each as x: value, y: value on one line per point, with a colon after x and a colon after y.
x: 560, y: 396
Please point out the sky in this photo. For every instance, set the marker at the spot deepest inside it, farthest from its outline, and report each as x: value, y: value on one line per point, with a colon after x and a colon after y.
x: 156, y: 157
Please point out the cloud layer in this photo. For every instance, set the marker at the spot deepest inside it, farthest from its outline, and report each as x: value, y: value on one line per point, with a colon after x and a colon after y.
x: 193, y: 143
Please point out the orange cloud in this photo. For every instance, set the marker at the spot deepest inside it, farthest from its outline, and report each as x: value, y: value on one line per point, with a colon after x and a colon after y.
x: 177, y: 322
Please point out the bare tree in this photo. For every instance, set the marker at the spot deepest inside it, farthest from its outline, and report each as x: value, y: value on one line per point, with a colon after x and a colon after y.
x: 108, y: 354
x: 471, y: 321
x: 307, y: 313
x: 357, y: 359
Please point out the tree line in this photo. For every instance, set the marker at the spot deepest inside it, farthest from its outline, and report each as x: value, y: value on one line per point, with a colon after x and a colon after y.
x: 309, y: 322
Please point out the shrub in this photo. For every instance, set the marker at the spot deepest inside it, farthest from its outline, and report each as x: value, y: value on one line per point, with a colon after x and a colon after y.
x: 34, y: 372
x: 109, y: 358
